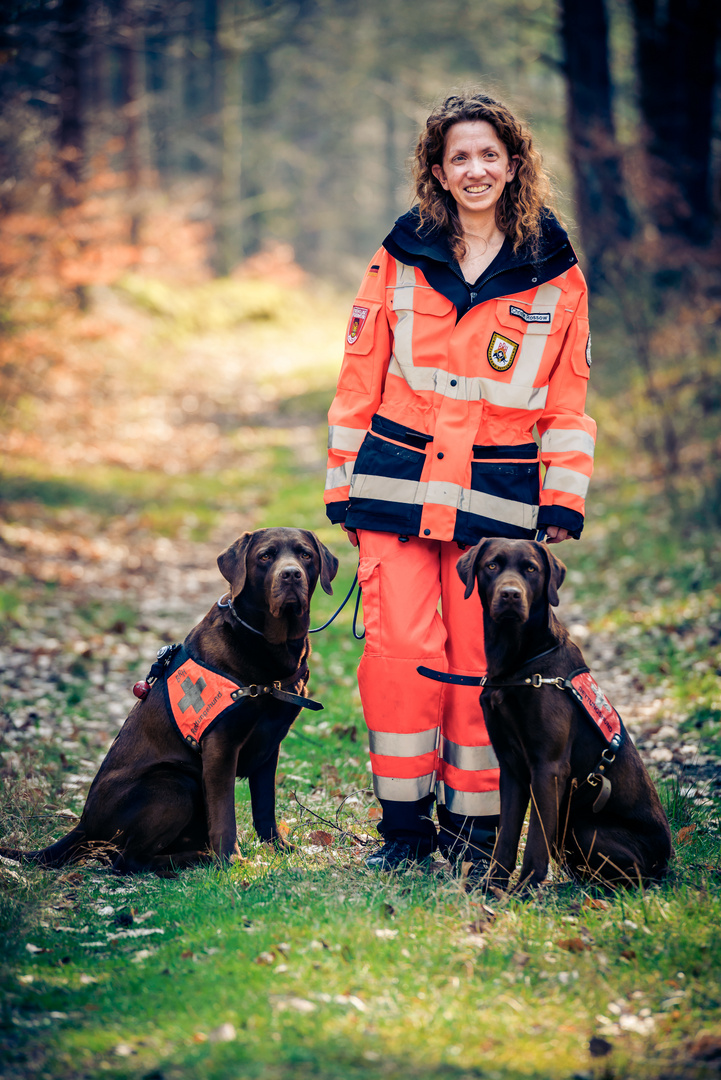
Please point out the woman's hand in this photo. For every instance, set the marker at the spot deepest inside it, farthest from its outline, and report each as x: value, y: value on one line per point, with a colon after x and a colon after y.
x: 555, y: 534
x: 351, y: 534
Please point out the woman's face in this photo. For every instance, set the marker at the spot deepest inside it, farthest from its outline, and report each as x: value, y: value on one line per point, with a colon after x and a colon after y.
x: 476, y: 166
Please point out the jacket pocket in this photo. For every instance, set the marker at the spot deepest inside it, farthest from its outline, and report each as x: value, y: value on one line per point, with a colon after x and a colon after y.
x: 356, y: 371
x: 505, y: 493
x: 530, y: 319
x: 369, y: 579
x: 384, y: 486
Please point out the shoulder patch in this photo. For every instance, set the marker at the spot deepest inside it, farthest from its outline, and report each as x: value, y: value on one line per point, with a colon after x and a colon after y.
x: 588, y: 351
x: 530, y: 316
x: 501, y: 352
x: 356, y: 324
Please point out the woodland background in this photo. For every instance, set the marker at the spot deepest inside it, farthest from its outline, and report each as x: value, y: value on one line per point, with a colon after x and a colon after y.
x: 189, y: 193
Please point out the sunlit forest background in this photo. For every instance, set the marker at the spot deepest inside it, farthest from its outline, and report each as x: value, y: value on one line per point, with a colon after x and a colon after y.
x: 190, y: 191
x: 203, y: 139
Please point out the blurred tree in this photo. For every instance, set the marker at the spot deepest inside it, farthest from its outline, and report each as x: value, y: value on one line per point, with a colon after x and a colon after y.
x: 602, y: 210
x: 70, y: 130
x: 675, y: 57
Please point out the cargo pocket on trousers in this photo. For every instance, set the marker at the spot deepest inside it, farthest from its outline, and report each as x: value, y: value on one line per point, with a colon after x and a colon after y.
x: 369, y: 579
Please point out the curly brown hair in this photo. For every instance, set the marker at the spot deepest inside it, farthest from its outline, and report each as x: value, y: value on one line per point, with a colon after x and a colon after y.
x: 520, y: 208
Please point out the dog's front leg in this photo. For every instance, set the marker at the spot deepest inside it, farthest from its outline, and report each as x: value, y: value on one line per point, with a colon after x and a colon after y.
x: 262, y: 800
x: 220, y: 760
x: 514, y: 800
x: 548, y: 783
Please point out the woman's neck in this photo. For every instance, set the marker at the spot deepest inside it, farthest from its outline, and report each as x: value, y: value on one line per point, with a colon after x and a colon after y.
x: 483, y: 240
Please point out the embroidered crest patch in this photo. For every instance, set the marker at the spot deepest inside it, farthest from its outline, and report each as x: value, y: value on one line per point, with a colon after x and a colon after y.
x: 357, y: 322
x: 530, y: 316
x: 501, y: 352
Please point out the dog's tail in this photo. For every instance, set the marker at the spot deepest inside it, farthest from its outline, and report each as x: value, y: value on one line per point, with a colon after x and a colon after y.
x: 70, y: 849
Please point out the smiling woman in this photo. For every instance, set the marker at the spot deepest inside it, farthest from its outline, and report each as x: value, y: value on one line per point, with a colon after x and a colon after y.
x: 470, y: 332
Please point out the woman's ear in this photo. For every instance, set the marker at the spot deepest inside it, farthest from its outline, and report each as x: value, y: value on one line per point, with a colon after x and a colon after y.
x: 440, y: 176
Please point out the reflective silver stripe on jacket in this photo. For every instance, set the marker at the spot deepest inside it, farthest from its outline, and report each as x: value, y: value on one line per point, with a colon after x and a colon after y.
x: 568, y: 480
x: 437, y: 380
x: 339, y: 476
x: 468, y: 803
x: 473, y: 758
x: 570, y: 440
x: 392, y: 744
x: 528, y: 361
x: 345, y: 438
x: 390, y: 489
x: 399, y: 790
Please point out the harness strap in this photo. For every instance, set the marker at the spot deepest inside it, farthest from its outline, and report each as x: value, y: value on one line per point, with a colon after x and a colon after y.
x: 276, y: 691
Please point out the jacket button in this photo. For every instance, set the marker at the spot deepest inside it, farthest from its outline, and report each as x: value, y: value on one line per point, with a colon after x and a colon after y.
x: 454, y: 382
x: 426, y: 532
x: 439, y: 456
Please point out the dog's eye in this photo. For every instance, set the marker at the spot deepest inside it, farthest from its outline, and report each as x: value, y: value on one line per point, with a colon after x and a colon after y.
x: 306, y: 555
x: 531, y: 569
x: 265, y: 556
x: 490, y: 566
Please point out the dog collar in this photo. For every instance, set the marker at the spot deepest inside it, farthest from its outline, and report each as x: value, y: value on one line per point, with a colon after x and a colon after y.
x: 223, y: 603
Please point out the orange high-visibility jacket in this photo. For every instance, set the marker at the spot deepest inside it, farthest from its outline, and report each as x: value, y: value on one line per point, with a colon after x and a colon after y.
x: 432, y: 425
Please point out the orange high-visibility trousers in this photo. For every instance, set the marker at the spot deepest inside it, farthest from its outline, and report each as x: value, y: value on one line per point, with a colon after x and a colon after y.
x: 425, y: 737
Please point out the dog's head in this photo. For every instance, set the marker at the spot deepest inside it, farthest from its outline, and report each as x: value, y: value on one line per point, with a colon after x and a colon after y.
x: 512, y: 576
x: 276, y: 571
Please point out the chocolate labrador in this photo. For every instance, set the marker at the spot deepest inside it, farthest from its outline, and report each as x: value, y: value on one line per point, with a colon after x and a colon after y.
x: 218, y: 707
x: 594, y: 808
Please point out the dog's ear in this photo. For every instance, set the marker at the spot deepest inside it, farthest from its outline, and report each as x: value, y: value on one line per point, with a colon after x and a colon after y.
x: 328, y: 562
x: 232, y: 562
x: 555, y: 573
x: 466, y: 566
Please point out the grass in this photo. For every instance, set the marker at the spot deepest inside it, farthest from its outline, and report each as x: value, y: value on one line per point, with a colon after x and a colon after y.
x: 306, y: 964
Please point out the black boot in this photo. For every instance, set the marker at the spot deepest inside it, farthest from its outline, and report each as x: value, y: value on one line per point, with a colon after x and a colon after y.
x: 409, y: 834
x: 468, y: 839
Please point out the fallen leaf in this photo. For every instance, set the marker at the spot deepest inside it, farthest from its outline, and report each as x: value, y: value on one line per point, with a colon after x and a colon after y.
x: 574, y: 944
x: 283, y: 829
x: 325, y: 839
x: 628, y: 954
x: 265, y: 958
x: 385, y: 934
x: 187, y: 955
x: 375, y: 813
x: 596, y: 904
x: 200, y: 1037
x: 684, y: 835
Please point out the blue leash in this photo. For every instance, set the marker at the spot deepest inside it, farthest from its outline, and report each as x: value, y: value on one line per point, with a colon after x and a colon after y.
x: 357, y: 636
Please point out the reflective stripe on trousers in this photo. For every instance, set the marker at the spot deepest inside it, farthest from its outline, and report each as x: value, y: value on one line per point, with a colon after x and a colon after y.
x: 425, y: 737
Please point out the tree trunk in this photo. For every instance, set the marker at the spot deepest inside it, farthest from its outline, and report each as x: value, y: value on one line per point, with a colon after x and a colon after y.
x: 70, y: 133
x: 228, y: 230
x: 130, y: 61
x: 603, y: 213
x: 675, y: 59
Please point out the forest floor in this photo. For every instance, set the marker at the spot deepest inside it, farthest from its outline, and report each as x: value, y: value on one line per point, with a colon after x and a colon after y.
x: 176, y: 420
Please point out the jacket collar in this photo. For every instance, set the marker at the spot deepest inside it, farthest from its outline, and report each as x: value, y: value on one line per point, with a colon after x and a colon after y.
x: 428, y: 248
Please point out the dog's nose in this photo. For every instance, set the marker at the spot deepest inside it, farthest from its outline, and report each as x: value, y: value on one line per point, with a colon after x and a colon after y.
x: 511, y: 593
x: 290, y: 573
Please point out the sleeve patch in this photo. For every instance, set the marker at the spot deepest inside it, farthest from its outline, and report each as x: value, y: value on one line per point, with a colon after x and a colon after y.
x: 357, y: 322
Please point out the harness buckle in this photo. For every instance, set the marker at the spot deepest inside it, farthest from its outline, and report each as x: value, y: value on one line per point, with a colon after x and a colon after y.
x: 254, y: 690
x: 536, y: 681
x: 608, y: 755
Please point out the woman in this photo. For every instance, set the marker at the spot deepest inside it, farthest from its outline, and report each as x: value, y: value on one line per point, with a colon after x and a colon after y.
x: 469, y: 329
